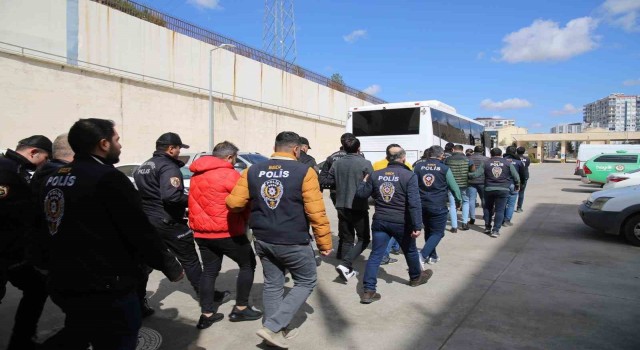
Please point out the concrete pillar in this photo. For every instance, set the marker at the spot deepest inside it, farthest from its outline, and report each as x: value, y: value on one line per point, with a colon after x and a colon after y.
x: 540, y: 150
x: 563, y: 151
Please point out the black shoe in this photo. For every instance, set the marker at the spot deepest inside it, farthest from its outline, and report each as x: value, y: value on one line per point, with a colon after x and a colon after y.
x: 318, y: 261
x: 477, y: 205
x: 248, y: 314
x: 396, y: 252
x: 388, y: 261
x: 507, y: 223
x: 206, y: 322
x: 465, y: 227
x: 454, y: 229
x: 487, y: 230
x: 472, y: 221
x: 221, y: 296
x: 519, y: 210
x: 145, y: 309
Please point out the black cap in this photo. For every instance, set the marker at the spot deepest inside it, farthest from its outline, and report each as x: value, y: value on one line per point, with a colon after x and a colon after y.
x: 37, y: 141
x: 304, y: 141
x: 170, y: 139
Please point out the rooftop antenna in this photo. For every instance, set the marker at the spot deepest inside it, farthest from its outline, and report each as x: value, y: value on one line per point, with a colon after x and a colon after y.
x: 279, y: 33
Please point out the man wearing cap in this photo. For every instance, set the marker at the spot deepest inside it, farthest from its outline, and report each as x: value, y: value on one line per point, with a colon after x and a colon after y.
x: 17, y: 214
x: 304, y: 157
x: 161, y: 187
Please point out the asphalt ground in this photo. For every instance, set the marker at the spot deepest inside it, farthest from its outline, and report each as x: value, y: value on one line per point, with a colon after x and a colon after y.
x: 548, y: 282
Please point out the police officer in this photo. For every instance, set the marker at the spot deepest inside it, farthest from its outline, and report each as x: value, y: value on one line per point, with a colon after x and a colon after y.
x: 397, y: 202
x: 476, y: 185
x: 99, y: 236
x: 305, y: 158
x: 512, y: 158
x: 284, y: 197
x: 499, y: 176
x: 17, y: 214
x: 435, y: 180
x: 161, y: 186
x: 324, y: 174
x: 523, y: 182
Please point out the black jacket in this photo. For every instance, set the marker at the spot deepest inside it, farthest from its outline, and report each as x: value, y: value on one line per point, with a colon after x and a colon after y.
x: 161, y: 187
x: 324, y: 173
x: 308, y: 160
x: 99, y: 234
x: 17, y: 208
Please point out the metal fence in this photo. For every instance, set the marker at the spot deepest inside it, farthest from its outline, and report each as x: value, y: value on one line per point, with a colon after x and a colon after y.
x: 193, y: 31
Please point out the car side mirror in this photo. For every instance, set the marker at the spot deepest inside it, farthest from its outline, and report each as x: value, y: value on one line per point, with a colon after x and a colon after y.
x: 240, y: 166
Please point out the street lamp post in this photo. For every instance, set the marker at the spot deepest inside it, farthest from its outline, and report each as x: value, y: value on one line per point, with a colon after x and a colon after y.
x: 223, y: 46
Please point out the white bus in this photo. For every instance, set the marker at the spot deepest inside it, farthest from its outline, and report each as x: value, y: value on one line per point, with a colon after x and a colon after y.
x: 415, y: 126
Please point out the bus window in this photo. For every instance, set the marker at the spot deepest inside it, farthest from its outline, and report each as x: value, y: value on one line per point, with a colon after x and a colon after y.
x: 401, y: 121
x: 440, y: 127
x: 476, y: 134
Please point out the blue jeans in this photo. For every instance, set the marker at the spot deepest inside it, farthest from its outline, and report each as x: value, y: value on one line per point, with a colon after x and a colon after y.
x: 495, y: 202
x: 382, y: 231
x: 435, y: 221
x: 393, y: 245
x: 511, y: 204
x: 472, y: 192
x: 465, y: 208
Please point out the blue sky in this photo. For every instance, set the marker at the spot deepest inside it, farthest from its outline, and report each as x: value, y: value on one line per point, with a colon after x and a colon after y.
x: 537, y: 62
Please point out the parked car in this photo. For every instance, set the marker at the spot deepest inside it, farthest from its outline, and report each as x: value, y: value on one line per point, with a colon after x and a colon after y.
x: 600, y: 166
x: 130, y: 169
x: 615, y: 211
x: 617, y: 180
x: 588, y: 151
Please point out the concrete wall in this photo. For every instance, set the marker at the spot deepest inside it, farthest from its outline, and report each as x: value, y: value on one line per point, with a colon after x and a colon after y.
x: 47, y: 97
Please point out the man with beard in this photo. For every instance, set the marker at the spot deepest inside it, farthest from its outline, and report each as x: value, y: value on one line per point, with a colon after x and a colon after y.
x: 99, y: 238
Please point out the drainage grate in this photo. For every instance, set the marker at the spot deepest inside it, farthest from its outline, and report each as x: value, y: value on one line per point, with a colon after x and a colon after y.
x: 148, y: 339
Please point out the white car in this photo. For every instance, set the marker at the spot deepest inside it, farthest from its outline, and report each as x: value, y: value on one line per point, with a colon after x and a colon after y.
x: 617, y: 180
x: 615, y: 211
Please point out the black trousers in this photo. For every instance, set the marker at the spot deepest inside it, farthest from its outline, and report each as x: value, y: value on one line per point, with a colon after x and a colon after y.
x: 34, y: 295
x: 213, y: 251
x: 352, y: 223
x: 179, y: 238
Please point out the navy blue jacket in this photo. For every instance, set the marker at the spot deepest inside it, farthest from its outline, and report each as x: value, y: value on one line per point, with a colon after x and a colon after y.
x: 396, y: 195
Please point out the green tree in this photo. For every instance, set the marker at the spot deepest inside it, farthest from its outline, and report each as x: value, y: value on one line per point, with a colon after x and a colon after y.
x: 337, y: 78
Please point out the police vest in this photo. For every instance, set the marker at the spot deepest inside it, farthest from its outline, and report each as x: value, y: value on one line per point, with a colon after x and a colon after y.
x: 390, y: 193
x: 277, y: 206
x: 432, y: 180
x: 497, y: 173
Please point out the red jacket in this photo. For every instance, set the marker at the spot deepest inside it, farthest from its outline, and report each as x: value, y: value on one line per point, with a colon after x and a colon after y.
x: 211, y: 182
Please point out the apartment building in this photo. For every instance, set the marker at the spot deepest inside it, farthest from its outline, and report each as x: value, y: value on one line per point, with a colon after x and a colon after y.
x: 616, y: 112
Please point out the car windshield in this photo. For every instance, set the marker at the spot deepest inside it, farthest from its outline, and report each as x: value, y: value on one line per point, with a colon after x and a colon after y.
x: 254, y: 158
x: 186, y: 173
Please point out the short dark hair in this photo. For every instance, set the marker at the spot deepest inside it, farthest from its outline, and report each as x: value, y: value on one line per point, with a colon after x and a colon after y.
x: 351, y: 145
x: 496, y: 152
x: 448, y: 146
x: 511, y: 150
x: 390, y: 147
x: 478, y: 149
x: 224, y: 149
x: 435, y: 151
x: 85, y: 134
x: 458, y: 147
x: 346, y: 138
x: 287, y: 140
x: 162, y: 148
x: 395, y: 157
x: 521, y: 150
x: 346, y: 135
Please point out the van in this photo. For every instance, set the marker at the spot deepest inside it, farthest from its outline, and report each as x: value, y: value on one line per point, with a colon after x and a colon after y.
x: 600, y: 166
x: 587, y: 151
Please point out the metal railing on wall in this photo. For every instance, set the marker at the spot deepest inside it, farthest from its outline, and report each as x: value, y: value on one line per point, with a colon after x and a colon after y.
x: 172, y: 23
x: 98, y: 68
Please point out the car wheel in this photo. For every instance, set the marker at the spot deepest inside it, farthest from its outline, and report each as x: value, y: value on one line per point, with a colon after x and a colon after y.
x: 632, y: 230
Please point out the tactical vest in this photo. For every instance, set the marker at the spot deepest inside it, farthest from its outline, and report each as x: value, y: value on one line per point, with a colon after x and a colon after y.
x: 459, y: 165
x: 390, y: 193
x: 277, y: 206
x: 497, y: 173
x: 432, y: 180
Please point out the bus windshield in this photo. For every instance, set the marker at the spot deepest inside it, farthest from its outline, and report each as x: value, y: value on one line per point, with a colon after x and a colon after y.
x: 387, y: 122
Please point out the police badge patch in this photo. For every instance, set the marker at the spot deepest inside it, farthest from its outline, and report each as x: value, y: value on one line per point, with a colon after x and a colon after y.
x: 4, y: 192
x: 271, y: 192
x: 387, y: 190
x: 496, y: 171
x: 428, y: 179
x: 54, y: 209
x: 175, y: 182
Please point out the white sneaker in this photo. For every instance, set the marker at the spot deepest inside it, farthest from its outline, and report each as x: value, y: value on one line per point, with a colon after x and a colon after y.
x: 344, y: 272
x: 421, y: 261
x: 432, y: 261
